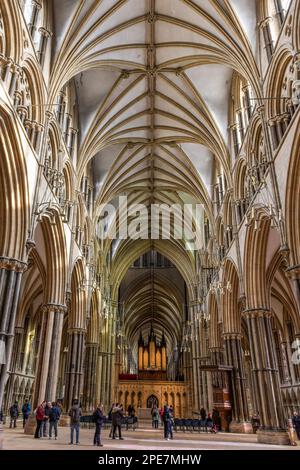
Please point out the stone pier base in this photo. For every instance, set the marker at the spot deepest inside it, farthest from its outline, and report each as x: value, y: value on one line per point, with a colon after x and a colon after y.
x: 273, y: 437
x: 241, y: 428
x: 30, y: 425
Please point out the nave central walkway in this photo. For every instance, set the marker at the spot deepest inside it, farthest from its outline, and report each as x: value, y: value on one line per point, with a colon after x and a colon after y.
x: 140, y: 439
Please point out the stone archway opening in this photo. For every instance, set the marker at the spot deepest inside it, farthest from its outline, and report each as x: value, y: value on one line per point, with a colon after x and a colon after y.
x: 152, y: 401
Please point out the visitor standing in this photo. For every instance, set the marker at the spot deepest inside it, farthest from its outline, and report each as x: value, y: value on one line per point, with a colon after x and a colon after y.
x: 131, y: 411
x: 166, y: 418
x: 99, y: 420
x: 110, y: 419
x: 39, y: 415
x: 255, y: 421
x: 155, y: 417
x: 54, y: 416
x: 203, y: 414
x: 45, y: 427
x: 171, y: 422
x: 161, y: 415
x: 14, y: 414
x: 117, y: 415
x: 26, y: 408
x: 296, y: 424
x: 209, y: 423
x: 75, y: 414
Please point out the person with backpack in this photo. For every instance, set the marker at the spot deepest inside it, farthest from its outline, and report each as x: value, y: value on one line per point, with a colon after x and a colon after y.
x: 75, y: 414
x: 26, y: 408
x: 99, y: 418
x: 14, y: 414
x: 54, y: 416
x: 155, y: 417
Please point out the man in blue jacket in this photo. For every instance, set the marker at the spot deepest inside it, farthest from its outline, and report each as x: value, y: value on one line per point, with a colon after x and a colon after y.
x: 54, y: 416
x: 26, y: 408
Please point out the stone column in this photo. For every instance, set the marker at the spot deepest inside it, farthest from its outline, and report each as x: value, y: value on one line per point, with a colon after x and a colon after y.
x: 265, y: 377
x: 36, y: 6
x: 38, y: 137
x: 45, y: 34
x: 216, y: 359
x: 235, y: 141
x: 74, y: 368
x: 3, y: 63
x: 14, y: 73
x: 18, y: 340
x: 234, y: 357
x: 71, y: 141
x: 48, y: 357
x: 10, y: 279
x: 248, y: 105
x: 89, y: 399
x: 273, y: 132
x: 293, y: 272
x: 265, y: 26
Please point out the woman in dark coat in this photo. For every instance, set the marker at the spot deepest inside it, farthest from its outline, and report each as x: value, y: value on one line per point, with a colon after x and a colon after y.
x: 98, y: 420
x: 117, y: 415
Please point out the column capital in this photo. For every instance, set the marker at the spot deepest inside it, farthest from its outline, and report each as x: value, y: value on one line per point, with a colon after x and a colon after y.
x: 52, y: 307
x: 45, y: 32
x: 12, y: 264
x: 36, y: 3
x: 91, y: 345
x: 74, y: 331
x: 215, y: 349
x: 235, y: 336
x: 73, y: 130
x: 49, y: 115
x: 272, y: 121
x: 19, y: 329
x: 293, y: 272
x: 263, y: 23
x: 296, y: 58
x: 3, y: 59
x: 259, y: 312
x: 260, y: 109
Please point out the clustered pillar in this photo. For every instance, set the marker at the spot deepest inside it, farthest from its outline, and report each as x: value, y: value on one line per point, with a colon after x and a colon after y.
x: 48, y: 359
x: 265, y: 374
x: 10, y: 280
x: 74, y: 368
x: 234, y: 356
x: 91, y: 357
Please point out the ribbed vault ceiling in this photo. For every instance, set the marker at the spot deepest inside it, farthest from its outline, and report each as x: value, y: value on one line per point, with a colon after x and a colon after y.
x: 153, y: 81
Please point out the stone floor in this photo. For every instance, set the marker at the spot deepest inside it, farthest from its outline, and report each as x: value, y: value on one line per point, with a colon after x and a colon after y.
x: 140, y: 439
